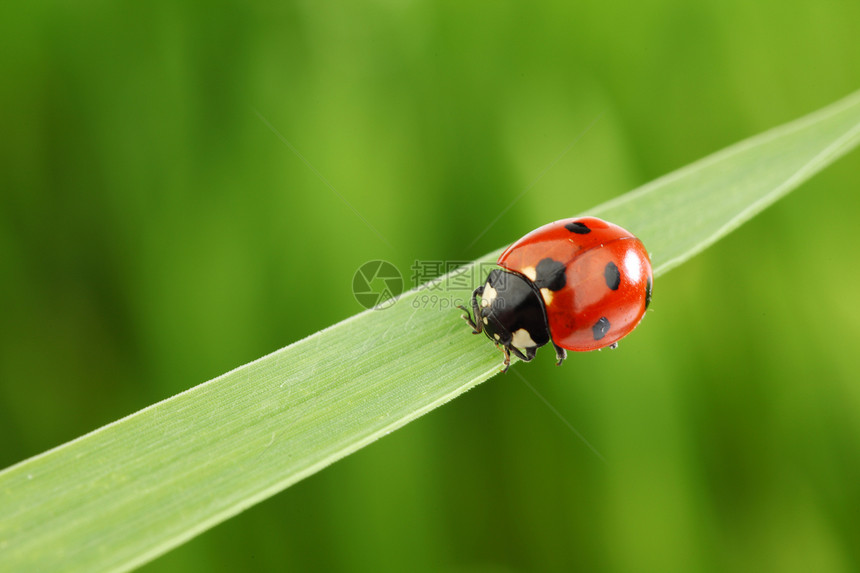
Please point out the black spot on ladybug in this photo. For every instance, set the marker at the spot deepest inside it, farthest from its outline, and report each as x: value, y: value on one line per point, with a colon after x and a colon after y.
x: 600, y: 328
x: 612, y: 275
x: 648, y: 291
x: 550, y: 274
x: 578, y: 228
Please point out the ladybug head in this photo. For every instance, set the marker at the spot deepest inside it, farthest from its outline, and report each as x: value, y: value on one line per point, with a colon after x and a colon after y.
x: 511, y: 311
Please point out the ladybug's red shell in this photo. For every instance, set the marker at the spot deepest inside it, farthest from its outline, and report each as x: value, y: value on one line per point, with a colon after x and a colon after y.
x: 594, y: 278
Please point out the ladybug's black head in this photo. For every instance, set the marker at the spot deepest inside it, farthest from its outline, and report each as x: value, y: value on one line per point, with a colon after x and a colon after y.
x: 511, y: 311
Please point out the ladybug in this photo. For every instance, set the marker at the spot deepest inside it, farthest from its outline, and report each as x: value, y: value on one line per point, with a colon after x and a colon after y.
x: 581, y: 284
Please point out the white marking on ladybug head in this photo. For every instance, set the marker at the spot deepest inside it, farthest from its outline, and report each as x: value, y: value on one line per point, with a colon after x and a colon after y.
x: 496, y: 336
x: 522, y: 339
x: 547, y: 296
x: 488, y: 296
x: 530, y: 272
x: 486, y: 320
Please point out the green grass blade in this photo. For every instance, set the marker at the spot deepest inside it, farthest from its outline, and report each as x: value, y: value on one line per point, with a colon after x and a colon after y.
x: 130, y: 491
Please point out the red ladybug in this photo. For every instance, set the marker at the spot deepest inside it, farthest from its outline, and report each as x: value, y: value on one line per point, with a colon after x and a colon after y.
x: 582, y: 284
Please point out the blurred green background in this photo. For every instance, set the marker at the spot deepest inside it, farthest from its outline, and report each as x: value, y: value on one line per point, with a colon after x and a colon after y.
x: 154, y: 233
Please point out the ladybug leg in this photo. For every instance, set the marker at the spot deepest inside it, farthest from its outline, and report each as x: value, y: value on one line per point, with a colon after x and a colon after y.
x: 468, y: 318
x: 476, y: 310
x: 560, y: 353
x: 527, y: 357
x: 508, y: 350
x: 476, y: 324
x: 507, y: 362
